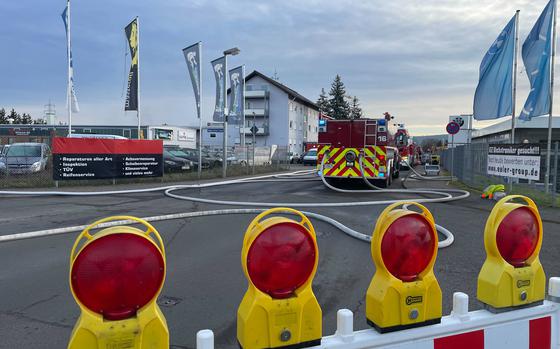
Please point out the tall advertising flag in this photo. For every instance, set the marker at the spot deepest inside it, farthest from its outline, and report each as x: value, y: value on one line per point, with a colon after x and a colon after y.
x: 219, y: 67
x: 131, y: 32
x: 493, y: 97
x: 71, y: 94
x: 237, y: 95
x: 536, y: 53
x: 192, y: 56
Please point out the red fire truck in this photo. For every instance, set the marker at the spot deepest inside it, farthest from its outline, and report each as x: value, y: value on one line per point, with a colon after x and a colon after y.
x: 344, y: 142
x: 408, y: 150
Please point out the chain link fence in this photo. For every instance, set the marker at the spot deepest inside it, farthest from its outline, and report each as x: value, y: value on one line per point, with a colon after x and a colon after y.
x: 179, y: 165
x: 469, y: 164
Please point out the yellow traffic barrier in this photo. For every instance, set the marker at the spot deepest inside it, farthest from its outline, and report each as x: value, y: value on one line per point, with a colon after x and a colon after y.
x: 279, y: 258
x: 404, y: 291
x: 116, y: 276
x: 512, y: 275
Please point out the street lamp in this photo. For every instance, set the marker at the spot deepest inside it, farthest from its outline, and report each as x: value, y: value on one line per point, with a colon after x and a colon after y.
x: 229, y: 52
x: 232, y: 51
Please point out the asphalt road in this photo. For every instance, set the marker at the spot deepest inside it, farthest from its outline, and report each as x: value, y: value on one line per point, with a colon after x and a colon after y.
x: 205, y: 282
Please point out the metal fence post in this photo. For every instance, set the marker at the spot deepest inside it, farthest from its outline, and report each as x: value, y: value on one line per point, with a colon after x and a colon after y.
x: 555, y: 183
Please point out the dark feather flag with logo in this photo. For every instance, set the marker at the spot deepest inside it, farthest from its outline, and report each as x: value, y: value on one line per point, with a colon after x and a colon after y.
x: 131, y: 32
x: 192, y: 57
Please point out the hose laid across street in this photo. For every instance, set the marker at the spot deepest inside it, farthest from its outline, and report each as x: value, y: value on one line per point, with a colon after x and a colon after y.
x: 445, y: 196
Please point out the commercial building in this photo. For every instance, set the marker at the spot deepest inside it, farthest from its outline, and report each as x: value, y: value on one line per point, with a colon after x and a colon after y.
x: 171, y: 135
x: 533, y: 131
x: 283, y: 117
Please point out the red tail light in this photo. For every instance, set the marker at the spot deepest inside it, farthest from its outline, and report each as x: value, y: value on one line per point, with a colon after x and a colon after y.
x: 517, y: 236
x: 281, y: 259
x: 117, y: 274
x: 408, y: 246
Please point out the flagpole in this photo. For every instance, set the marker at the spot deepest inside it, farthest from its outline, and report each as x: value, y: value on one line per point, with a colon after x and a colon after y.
x: 69, y: 84
x: 199, y: 110
x: 514, y: 86
x: 224, y: 151
x: 514, y: 92
x: 551, y: 92
x: 138, y: 73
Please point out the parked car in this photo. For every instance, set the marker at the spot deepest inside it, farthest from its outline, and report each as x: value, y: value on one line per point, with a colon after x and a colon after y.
x: 3, y: 149
x: 310, y: 157
x: 172, y: 163
x: 24, y: 158
x: 188, y: 154
x: 294, y: 158
x: 213, y: 159
x: 432, y: 170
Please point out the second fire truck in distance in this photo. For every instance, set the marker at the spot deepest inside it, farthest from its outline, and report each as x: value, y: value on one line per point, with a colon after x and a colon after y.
x: 409, y: 151
x: 345, y: 144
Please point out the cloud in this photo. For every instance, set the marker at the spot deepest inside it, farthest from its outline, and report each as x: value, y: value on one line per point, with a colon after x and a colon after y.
x: 416, y: 59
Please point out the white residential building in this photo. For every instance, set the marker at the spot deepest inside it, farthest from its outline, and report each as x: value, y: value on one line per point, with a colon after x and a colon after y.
x: 283, y: 117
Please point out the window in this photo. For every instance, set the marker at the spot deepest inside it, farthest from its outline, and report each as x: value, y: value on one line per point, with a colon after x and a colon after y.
x: 291, y: 124
x: 25, y: 151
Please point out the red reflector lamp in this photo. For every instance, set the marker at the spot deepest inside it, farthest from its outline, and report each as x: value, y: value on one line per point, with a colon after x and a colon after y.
x: 279, y: 258
x: 116, y: 275
x: 512, y: 275
x: 404, y: 291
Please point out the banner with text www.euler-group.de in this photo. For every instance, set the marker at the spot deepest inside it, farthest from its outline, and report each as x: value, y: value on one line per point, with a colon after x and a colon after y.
x: 514, y: 160
x: 91, y: 158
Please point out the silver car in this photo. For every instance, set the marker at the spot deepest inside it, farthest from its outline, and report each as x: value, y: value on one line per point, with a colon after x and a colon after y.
x: 432, y: 170
x: 25, y: 158
x: 310, y: 157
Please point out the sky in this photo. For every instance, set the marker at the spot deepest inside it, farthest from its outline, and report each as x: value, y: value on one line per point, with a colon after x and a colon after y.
x: 417, y: 59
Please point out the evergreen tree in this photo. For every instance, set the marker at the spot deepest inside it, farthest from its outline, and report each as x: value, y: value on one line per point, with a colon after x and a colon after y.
x: 15, y: 117
x: 355, y: 110
x: 323, y: 103
x: 338, y: 105
x: 3, y: 118
x: 26, y: 119
x: 39, y: 122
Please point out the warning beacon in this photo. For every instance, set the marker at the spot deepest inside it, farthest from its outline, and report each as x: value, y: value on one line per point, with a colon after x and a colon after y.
x: 512, y: 275
x: 116, y: 276
x: 404, y: 291
x: 279, y: 258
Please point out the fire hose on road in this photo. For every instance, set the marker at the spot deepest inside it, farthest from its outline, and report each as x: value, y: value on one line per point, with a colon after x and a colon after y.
x: 445, y: 195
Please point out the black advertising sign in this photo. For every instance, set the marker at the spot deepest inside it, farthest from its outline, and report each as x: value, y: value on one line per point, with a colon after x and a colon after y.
x: 94, y: 158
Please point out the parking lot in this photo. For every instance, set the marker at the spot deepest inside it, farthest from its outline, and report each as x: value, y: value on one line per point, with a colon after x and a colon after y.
x: 205, y: 281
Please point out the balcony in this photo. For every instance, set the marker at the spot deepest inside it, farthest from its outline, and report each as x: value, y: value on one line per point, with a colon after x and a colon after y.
x: 256, y: 94
x: 256, y: 112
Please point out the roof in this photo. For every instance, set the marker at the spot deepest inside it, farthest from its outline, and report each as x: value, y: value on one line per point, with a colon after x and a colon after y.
x: 505, y: 126
x: 291, y: 93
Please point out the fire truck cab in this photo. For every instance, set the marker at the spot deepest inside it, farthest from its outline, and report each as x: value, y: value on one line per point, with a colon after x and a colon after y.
x: 358, y: 149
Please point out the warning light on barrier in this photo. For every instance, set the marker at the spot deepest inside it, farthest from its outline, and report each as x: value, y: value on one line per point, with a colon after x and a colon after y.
x: 279, y: 258
x: 512, y: 275
x: 116, y: 276
x: 404, y: 291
